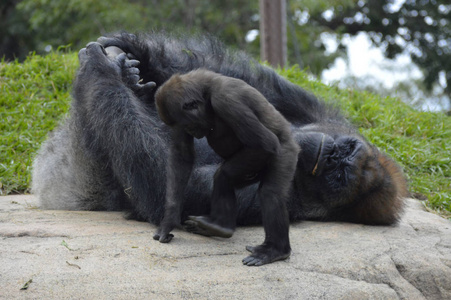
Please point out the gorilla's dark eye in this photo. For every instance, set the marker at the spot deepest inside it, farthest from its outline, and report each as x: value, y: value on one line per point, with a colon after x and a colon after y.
x: 350, y: 148
x: 190, y: 105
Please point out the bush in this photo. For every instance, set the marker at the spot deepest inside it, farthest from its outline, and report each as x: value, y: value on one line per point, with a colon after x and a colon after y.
x: 35, y: 96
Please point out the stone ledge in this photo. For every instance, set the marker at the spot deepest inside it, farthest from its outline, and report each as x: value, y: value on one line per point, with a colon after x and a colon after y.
x: 100, y: 255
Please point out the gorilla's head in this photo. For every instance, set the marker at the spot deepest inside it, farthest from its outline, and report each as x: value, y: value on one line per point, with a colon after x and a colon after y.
x: 348, y: 176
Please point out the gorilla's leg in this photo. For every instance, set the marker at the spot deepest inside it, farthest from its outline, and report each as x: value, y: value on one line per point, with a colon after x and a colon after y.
x: 273, y: 194
x: 240, y: 170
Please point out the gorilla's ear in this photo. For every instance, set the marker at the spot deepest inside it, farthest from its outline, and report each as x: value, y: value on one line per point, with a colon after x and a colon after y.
x: 190, y: 105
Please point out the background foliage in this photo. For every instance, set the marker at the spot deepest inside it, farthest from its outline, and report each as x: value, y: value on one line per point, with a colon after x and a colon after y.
x: 34, y: 25
x: 35, y: 96
x: 418, y: 28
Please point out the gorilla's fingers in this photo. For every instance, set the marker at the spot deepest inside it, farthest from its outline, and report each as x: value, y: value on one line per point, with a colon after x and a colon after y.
x: 116, y: 40
x: 133, y: 70
x: 121, y: 58
x: 131, y: 56
x: 144, y: 88
x: 82, y: 55
x: 106, y: 41
x: 94, y: 46
x: 148, y: 86
x: 189, y: 225
x: 133, y: 78
x: 90, y: 44
x: 166, y: 238
x: 192, y: 227
x: 163, y: 237
x: 131, y: 62
x: 205, y: 226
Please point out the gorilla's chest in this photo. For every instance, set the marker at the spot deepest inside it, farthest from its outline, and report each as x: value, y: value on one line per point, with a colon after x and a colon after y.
x: 223, y: 140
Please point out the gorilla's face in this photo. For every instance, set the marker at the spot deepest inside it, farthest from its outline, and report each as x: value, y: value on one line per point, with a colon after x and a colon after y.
x: 194, y: 118
x: 323, y: 153
x: 197, y: 130
x: 334, y: 167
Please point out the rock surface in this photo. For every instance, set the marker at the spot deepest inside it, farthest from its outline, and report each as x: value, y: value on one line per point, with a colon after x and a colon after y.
x: 100, y: 255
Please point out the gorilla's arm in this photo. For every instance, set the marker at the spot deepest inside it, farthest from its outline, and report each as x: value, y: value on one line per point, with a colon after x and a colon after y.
x: 117, y: 129
x: 163, y: 55
x: 237, y: 104
x: 180, y: 165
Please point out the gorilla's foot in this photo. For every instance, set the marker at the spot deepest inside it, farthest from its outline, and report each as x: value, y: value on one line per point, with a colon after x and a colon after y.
x: 264, y: 254
x: 203, y: 225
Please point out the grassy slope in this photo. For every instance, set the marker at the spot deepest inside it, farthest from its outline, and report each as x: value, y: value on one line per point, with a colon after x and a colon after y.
x: 34, y: 96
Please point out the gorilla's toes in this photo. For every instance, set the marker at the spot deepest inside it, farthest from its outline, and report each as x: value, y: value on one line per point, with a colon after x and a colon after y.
x: 94, y: 46
x: 205, y: 226
x: 264, y: 254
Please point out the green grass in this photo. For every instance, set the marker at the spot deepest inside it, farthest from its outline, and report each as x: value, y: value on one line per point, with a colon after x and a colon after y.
x: 34, y: 96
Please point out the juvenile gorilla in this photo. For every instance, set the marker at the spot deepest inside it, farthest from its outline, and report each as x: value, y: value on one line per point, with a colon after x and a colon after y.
x: 111, y: 152
x: 255, y: 142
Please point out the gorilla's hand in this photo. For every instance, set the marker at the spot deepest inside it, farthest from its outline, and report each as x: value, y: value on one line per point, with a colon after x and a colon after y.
x: 163, y: 234
x: 95, y: 58
x: 136, y: 51
x: 116, y: 39
x: 130, y: 74
x: 116, y: 63
x: 96, y: 52
x: 124, y: 41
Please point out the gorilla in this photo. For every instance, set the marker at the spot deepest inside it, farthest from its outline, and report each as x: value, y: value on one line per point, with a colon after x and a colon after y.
x: 254, y: 140
x: 111, y: 152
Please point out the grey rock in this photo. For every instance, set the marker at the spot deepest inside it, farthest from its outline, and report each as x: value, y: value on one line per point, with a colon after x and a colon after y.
x: 100, y: 255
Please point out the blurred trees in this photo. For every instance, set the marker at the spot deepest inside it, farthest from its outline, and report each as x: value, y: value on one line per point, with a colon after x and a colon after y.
x: 15, y: 36
x: 38, y: 25
x: 419, y: 28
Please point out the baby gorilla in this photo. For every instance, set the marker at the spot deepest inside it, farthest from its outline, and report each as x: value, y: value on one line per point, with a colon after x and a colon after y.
x: 255, y: 142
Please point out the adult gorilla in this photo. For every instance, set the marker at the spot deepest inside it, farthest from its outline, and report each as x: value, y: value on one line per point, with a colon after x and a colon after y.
x: 110, y: 154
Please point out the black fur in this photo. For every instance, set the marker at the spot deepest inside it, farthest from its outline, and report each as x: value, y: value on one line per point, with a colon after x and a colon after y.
x: 111, y: 152
x: 254, y: 140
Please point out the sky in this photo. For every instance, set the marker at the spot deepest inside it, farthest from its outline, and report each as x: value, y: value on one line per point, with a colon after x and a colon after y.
x: 367, y: 60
